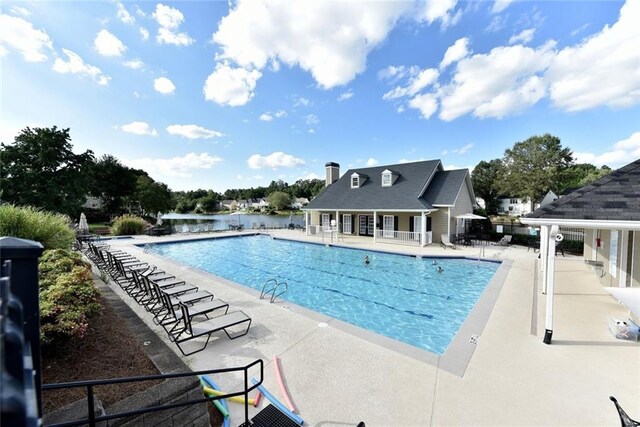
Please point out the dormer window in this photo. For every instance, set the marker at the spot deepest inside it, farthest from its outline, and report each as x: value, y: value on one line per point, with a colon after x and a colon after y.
x: 355, y: 180
x: 387, y: 178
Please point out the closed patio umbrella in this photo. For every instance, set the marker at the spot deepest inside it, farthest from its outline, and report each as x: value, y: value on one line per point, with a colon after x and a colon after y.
x: 159, y: 219
x: 83, y: 227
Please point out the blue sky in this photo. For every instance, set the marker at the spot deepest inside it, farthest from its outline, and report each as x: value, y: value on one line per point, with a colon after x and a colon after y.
x: 233, y: 95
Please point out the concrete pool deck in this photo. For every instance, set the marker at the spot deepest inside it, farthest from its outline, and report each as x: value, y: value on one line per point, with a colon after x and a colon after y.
x: 338, y: 374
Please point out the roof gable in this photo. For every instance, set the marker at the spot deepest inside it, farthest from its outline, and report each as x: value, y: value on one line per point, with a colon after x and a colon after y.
x: 445, y: 186
x: 615, y: 197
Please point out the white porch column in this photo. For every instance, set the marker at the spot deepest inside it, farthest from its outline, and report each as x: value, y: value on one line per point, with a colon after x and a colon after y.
x: 594, y: 249
x: 423, y: 230
x: 375, y: 228
x: 337, y: 221
x: 449, y: 222
x: 544, y: 235
x: 624, y: 250
x: 306, y: 222
x: 551, y: 261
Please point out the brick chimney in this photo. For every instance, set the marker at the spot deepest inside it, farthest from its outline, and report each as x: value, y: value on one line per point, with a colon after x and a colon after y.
x: 333, y: 173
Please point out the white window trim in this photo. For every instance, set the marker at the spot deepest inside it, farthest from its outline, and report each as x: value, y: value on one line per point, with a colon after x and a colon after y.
x: 386, y: 175
x: 355, y: 177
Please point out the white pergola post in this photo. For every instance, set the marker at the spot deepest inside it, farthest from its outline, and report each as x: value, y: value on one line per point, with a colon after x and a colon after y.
x: 306, y: 222
x: 624, y: 249
x: 423, y: 230
x: 544, y: 235
x: 550, y: 273
x: 375, y: 228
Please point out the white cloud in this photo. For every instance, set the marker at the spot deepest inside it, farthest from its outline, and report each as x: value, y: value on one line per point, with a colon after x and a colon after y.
x: 463, y: 150
x: 193, y: 132
x: 274, y: 160
x: 134, y: 64
x: 579, y: 29
x: 433, y: 10
x: 169, y: 19
x: 19, y: 34
x: 311, y: 119
x: 107, y: 44
x: 372, y: 162
x: 611, y: 59
x: 423, y: 79
x: 17, y: 10
x: 231, y: 86
x: 505, y: 81
x: 280, y: 114
x: 331, y: 40
x: 500, y: 5
x: 455, y: 52
x: 138, y: 128
x: 345, y: 95
x: 124, y: 15
x: 497, y: 23
x: 426, y: 103
x: 266, y: 117
x: 620, y: 154
x: 312, y: 131
x: 523, y: 37
x: 140, y: 12
x: 301, y: 102
x: 180, y: 167
x: 76, y: 65
x: 144, y: 33
x: 164, y: 86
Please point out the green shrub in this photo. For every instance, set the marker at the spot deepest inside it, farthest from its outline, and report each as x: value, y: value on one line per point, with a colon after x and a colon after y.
x: 53, y: 230
x: 128, y: 224
x: 68, y: 297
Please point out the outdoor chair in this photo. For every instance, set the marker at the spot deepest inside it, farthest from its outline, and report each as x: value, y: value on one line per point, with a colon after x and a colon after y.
x: 172, y: 320
x: 625, y: 419
x: 208, y: 327
x: 445, y: 242
x: 505, y: 241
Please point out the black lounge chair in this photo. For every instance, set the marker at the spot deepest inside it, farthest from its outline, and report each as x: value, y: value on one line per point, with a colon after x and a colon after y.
x: 208, y: 327
x: 625, y: 419
x: 172, y: 320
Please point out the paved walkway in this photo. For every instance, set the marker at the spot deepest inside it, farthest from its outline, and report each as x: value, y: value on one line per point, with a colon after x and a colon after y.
x: 338, y: 374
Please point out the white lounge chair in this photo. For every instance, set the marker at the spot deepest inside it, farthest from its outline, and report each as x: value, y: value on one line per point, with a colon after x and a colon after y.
x: 445, y: 242
x: 505, y: 241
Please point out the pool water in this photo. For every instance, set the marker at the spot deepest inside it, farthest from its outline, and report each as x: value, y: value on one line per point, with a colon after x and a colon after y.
x: 398, y: 296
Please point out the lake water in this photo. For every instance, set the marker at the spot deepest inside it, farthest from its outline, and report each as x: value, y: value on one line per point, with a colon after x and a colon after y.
x: 222, y: 222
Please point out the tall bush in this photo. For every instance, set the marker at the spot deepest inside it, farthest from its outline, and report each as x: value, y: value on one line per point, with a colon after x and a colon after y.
x: 68, y: 297
x: 53, y: 230
x: 127, y: 225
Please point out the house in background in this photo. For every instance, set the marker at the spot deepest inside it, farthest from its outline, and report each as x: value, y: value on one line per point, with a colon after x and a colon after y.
x: 299, y: 202
x: 229, y: 204
x: 93, y: 203
x: 514, y: 206
x: 408, y: 203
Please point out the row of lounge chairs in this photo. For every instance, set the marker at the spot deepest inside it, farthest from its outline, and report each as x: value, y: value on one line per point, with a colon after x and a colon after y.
x: 184, y: 311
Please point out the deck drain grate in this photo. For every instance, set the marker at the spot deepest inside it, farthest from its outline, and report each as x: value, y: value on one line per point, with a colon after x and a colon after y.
x: 474, y: 339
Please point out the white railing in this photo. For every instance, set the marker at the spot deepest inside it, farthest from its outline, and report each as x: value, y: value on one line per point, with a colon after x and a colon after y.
x: 400, y: 237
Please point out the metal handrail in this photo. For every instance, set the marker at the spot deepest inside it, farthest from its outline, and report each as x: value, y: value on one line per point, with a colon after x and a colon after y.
x: 274, y: 296
x: 92, y: 419
x: 270, y: 290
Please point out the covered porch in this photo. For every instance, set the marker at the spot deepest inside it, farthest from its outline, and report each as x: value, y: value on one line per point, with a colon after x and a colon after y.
x: 412, y: 228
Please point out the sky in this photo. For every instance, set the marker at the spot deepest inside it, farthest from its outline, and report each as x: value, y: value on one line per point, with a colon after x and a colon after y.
x: 219, y: 95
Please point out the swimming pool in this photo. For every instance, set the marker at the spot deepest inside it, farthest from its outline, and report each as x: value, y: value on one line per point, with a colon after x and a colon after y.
x: 398, y: 296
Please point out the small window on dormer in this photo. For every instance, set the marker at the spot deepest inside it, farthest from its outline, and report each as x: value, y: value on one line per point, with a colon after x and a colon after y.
x: 355, y: 180
x: 386, y: 178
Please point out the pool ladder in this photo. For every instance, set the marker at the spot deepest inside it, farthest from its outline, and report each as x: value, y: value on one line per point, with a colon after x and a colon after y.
x: 272, y: 289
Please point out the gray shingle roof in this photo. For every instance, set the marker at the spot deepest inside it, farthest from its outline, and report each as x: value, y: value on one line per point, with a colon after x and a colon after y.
x: 402, y: 195
x: 615, y: 197
x: 444, y: 187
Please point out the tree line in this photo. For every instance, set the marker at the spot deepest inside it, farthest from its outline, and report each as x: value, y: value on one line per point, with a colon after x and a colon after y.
x: 40, y: 169
x: 529, y: 170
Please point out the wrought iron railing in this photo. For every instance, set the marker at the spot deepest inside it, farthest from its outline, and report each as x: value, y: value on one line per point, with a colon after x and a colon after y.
x: 93, y: 418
